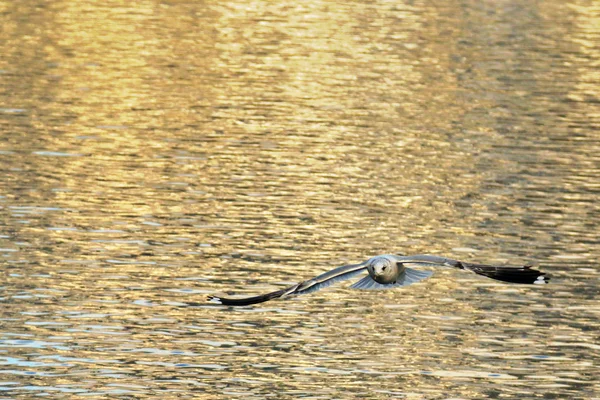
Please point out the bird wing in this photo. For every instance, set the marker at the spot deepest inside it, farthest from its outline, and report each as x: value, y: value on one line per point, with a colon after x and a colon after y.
x: 515, y: 274
x: 312, y: 285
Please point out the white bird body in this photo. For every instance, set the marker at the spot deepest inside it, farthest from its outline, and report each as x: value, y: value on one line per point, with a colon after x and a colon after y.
x: 388, y: 271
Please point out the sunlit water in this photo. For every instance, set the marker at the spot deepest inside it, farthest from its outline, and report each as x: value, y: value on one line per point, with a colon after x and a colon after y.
x: 156, y: 152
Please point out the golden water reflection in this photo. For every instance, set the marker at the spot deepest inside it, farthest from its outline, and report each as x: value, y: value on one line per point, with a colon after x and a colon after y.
x: 156, y: 152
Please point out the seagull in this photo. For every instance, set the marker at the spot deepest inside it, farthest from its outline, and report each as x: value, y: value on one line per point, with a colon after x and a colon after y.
x: 389, y: 271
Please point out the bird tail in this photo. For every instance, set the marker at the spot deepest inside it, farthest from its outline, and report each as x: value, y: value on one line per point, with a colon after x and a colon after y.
x: 523, y: 274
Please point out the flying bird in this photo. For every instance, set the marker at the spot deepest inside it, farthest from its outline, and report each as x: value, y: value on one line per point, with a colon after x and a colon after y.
x: 389, y: 271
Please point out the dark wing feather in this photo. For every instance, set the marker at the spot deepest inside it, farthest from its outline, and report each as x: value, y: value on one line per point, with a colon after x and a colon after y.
x: 524, y: 274
x: 246, y: 301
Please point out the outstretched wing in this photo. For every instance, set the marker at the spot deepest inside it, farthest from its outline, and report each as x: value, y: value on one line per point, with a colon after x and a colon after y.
x: 312, y: 285
x: 515, y: 274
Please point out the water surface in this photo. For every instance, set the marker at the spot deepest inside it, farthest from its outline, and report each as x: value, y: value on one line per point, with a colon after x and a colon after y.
x: 156, y: 152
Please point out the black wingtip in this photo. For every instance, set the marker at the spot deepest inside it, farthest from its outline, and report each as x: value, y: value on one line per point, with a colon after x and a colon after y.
x: 246, y: 301
x: 523, y: 275
x: 214, y: 300
x: 542, y: 278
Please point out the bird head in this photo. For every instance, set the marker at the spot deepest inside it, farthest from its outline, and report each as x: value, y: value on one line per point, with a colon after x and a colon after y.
x: 383, y: 269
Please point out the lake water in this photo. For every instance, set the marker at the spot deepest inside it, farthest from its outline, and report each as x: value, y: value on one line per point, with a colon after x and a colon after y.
x: 155, y: 152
